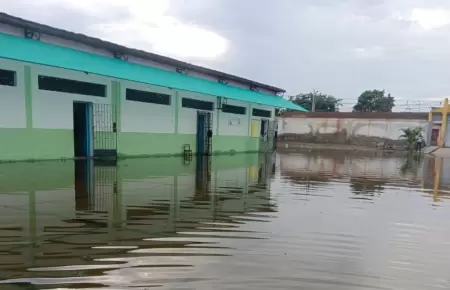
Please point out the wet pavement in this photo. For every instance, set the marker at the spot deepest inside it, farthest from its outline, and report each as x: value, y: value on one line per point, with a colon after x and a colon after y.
x: 286, y: 221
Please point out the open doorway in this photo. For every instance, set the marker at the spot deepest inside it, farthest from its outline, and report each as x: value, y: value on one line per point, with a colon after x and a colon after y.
x: 82, y: 129
x: 204, y: 133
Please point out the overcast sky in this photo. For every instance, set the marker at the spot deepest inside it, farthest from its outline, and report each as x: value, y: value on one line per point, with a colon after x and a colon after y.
x: 340, y: 47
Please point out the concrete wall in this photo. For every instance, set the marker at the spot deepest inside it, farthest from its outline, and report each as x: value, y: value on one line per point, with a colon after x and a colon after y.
x: 54, y: 110
x: 233, y: 124
x: 447, y: 134
x: 357, y: 131
x: 145, y: 117
x: 46, y: 127
x: 12, y: 99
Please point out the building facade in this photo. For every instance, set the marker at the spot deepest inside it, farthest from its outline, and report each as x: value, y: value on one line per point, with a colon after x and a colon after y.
x: 65, y: 95
x: 440, y: 135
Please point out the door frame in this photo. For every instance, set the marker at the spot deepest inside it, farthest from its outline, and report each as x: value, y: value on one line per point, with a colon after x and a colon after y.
x: 89, y: 134
x: 203, y: 139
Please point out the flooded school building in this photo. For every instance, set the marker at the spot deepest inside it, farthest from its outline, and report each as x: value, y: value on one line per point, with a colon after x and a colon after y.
x: 66, y: 95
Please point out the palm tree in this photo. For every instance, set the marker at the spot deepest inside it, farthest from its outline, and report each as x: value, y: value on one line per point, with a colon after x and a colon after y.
x: 410, y: 136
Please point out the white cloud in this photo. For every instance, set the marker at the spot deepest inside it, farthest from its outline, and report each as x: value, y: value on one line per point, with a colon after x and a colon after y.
x: 143, y: 24
x: 430, y: 18
x: 150, y: 26
x: 369, y: 52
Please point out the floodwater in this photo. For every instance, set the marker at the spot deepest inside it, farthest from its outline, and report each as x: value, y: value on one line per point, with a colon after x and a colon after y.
x: 297, y: 221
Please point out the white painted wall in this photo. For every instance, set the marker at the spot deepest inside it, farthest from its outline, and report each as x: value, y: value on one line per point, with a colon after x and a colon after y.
x: 146, y: 117
x: 447, y: 134
x: 54, y: 110
x: 234, y: 124
x: 12, y: 99
x: 261, y: 107
x: 383, y: 128
x: 187, y: 117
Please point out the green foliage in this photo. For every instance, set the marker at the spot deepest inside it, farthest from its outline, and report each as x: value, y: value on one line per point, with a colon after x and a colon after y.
x: 374, y: 101
x: 324, y: 103
x: 410, y: 136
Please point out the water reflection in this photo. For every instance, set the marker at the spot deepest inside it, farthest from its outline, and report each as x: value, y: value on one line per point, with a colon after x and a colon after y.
x: 292, y: 221
x: 365, y: 174
x: 57, y: 229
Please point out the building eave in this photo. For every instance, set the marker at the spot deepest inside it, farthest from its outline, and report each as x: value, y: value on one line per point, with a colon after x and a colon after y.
x: 116, y: 48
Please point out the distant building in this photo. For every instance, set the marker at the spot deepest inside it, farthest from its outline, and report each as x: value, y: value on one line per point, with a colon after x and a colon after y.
x: 65, y: 95
x: 439, y: 135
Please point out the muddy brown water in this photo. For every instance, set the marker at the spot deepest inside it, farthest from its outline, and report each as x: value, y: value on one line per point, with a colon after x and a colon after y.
x: 288, y: 221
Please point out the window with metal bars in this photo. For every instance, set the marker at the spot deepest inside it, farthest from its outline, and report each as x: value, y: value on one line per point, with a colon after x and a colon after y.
x: 261, y: 113
x: 197, y: 104
x: 7, y: 78
x: 234, y: 109
x: 69, y: 86
x: 147, y: 97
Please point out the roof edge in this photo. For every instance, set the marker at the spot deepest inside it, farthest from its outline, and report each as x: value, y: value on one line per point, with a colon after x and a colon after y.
x: 113, y: 47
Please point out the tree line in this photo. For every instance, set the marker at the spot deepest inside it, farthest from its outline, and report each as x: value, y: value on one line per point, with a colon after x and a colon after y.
x: 368, y: 101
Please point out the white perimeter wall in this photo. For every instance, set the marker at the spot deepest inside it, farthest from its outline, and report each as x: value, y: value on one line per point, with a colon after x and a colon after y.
x: 12, y: 99
x: 383, y: 128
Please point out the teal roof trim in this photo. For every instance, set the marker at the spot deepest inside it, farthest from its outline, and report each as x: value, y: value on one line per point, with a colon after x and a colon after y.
x: 28, y: 50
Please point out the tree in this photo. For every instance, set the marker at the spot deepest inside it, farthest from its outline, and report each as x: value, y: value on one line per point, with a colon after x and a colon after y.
x: 374, y: 101
x: 410, y: 136
x: 323, y: 102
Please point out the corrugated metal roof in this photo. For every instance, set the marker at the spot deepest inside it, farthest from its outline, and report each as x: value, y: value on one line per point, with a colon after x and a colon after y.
x: 27, y: 50
x: 116, y: 48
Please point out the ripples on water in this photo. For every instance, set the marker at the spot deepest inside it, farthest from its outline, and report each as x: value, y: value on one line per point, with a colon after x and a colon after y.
x: 234, y: 222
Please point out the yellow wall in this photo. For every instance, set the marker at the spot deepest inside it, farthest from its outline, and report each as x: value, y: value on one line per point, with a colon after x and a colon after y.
x: 256, y: 128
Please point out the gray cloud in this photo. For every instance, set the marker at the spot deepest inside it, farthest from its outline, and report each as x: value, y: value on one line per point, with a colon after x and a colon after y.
x: 341, y: 47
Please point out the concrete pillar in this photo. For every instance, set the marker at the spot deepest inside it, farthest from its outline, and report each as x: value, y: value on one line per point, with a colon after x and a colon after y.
x: 444, y: 124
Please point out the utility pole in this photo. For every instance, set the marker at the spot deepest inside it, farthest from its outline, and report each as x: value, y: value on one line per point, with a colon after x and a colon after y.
x: 313, y: 105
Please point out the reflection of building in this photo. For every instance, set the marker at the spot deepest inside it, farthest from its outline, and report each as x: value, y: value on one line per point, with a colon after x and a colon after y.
x: 364, y: 173
x: 51, y: 214
x: 437, y: 176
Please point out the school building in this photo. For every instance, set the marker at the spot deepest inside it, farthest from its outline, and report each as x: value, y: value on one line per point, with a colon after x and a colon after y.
x: 66, y: 95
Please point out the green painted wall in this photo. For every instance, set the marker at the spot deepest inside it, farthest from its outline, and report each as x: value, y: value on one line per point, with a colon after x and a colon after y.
x: 146, y: 144
x: 142, y: 144
x: 35, y: 144
x: 43, y: 144
x: 48, y: 144
x: 228, y: 144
